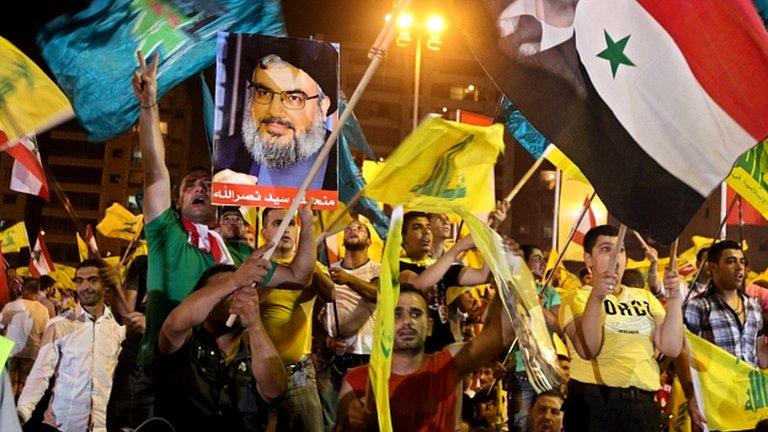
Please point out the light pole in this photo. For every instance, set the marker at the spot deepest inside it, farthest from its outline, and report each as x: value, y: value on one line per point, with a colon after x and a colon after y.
x: 433, y: 27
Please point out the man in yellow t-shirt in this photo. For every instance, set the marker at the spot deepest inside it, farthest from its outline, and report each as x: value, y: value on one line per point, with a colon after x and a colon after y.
x: 612, y: 331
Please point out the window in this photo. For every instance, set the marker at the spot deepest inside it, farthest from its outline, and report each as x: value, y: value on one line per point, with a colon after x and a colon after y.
x: 9, y: 198
x: 80, y: 175
x: 115, y: 178
x: 135, y: 178
x: 117, y: 153
x: 136, y: 154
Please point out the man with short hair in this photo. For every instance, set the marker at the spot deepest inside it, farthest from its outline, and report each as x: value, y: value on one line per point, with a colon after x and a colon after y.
x: 80, y: 348
x: 441, y: 228
x: 47, y: 284
x: 215, y: 377
x: 435, y: 276
x: 286, y: 312
x: 232, y: 230
x: 356, y: 279
x: 545, y: 414
x: 422, y: 387
x: 612, y: 332
x: 23, y: 321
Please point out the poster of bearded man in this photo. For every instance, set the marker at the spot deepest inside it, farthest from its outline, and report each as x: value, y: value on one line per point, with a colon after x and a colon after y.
x: 276, y: 102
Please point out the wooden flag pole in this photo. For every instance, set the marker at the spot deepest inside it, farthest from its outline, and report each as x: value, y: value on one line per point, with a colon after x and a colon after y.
x: 528, y: 174
x: 673, y: 257
x: 378, y: 51
x: 583, y: 213
x: 617, y: 248
x: 640, y: 239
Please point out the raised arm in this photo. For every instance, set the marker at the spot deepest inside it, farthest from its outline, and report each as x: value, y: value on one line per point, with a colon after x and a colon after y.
x: 266, y: 366
x: 196, y: 307
x: 497, y: 334
x: 669, y: 332
x: 586, y: 330
x: 157, y: 180
x: 366, y: 290
x: 427, y: 279
x: 303, y: 265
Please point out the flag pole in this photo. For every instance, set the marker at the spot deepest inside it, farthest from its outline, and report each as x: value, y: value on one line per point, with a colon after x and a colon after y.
x: 335, y: 306
x: 583, y: 213
x: 714, y: 240
x: 377, y: 52
x: 125, y: 255
x: 528, y: 174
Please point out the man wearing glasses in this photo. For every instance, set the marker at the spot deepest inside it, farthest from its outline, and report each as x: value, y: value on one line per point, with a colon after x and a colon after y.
x: 289, y: 96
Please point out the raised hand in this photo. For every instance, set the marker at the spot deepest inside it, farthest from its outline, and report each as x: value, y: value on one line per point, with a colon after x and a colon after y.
x: 144, y: 81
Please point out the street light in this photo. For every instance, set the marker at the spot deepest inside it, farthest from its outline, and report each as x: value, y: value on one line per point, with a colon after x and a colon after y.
x: 433, y: 27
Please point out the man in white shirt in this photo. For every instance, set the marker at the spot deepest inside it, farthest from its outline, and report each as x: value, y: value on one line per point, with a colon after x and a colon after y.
x: 355, y: 278
x: 80, y: 347
x: 23, y: 321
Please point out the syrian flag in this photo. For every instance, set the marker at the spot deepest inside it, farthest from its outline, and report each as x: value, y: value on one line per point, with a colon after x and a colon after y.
x: 588, y: 222
x: 27, y: 175
x: 40, y: 262
x: 652, y: 100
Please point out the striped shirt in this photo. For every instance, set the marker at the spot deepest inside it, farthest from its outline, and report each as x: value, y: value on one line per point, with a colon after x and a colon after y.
x: 710, y: 317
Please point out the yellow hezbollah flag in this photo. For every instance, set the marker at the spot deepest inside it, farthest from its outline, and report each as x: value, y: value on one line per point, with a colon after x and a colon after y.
x: 384, y: 336
x: 82, y: 248
x: 31, y: 102
x: 749, y: 178
x: 120, y: 223
x: 14, y: 238
x: 441, y: 165
x: 734, y: 393
x: 561, y: 161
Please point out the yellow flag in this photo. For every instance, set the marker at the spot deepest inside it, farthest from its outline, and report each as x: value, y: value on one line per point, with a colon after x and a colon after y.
x: 561, y: 161
x: 120, y: 223
x: 33, y: 103
x: 749, y: 177
x: 734, y: 393
x: 384, y: 335
x: 679, y: 420
x: 14, y: 238
x: 82, y: 248
x: 441, y: 165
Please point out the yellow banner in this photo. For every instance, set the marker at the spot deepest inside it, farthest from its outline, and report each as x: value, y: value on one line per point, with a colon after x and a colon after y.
x: 734, y: 393
x: 33, y: 103
x: 119, y: 223
x: 14, y: 238
x: 748, y: 178
x: 384, y: 336
x: 441, y: 165
x: 569, y: 169
x: 679, y: 419
x: 82, y: 248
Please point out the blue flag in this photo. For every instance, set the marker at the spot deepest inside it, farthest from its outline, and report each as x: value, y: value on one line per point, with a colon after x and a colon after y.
x: 92, y: 53
x: 523, y: 131
x: 350, y: 178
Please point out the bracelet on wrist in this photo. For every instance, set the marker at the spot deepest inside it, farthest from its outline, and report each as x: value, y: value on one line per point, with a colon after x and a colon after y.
x: 148, y: 106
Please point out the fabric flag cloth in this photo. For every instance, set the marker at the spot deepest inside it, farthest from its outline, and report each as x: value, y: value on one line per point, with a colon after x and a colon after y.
x: 734, y: 393
x: 120, y: 223
x: 441, y: 165
x: 92, y: 53
x: 510, y: 270
x: 14, y: 238
x: 5, y: 295
x: 588, y: 222
x: 679, y: 419
x: 82, y: 247
x: 40, y: 262
x: 30, y: 102
x: 90, y: 239
x: 653, y: 113
x: 748, y: 179
x: 27, y: 175
x: 384, y: 334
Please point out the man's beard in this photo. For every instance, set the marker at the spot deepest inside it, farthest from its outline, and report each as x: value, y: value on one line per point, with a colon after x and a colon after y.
x: 355, y: 246
x: 271, y: 154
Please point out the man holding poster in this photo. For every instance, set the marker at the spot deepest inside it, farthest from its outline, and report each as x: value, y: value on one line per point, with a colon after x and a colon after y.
x: 271, y: 125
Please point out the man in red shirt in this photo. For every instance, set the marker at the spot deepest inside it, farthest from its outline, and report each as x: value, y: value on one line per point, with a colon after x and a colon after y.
x: 422, y: 388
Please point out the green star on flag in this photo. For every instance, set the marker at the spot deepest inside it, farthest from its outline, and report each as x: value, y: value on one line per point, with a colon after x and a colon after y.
x: 614, y: 53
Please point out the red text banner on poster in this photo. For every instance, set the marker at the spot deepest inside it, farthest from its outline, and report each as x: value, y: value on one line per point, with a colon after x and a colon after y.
x: 270, y: 196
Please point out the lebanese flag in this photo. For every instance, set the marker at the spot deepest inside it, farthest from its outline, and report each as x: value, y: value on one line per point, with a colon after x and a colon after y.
x: 27, y: 175
x: 652, y: 100
x: 588, y: 222
x: 90, y: 240
x: 40, y: 262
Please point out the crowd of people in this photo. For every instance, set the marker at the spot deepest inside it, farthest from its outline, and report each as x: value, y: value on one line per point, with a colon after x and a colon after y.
x: 154, y: 349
